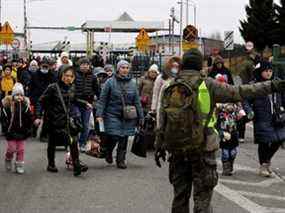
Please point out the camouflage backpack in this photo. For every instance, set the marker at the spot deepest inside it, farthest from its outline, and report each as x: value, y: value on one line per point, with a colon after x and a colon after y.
x: 182, y: 129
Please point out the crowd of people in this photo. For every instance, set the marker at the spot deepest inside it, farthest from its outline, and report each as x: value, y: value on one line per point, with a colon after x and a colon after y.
x: 61, y: 97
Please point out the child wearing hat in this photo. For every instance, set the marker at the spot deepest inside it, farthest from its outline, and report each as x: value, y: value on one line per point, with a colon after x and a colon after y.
x: 227, y: 118
x: 16, y: 122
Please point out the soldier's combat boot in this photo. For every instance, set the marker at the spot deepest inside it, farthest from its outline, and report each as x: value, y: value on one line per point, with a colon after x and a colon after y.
x: 227, y: 168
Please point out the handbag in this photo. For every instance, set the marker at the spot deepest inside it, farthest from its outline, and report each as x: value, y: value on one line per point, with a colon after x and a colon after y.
x: 278, y: 114
x: 129, y: 111
x: 144, y: 100
x: 93, y: 147
x: 74, y: 126
x: 139, y: 147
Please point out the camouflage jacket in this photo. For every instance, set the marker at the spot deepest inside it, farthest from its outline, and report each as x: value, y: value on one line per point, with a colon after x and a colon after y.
x: 222, y: 93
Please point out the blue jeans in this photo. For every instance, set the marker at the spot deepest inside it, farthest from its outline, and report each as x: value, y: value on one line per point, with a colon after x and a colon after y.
x: 84, y: 115
x: 229, y: 154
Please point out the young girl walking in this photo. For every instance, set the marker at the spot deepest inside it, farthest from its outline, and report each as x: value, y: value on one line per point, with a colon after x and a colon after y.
x: 16, y: 122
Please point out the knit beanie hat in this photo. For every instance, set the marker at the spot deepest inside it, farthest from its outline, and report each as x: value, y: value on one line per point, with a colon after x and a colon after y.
x: 109, y: 67
x: 192, y: 60
x: 122, y: 63
x: 154, y: 67
x: 34, y: 63
x: 64, y: 54
x: 18, y: 89
x: 84, y: 60
x: 260, y: 67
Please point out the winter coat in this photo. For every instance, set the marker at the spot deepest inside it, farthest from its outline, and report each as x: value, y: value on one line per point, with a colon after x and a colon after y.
x: 222, y: 93
x: 227, y: 117
x: 38, y: 84
x: 54, y: 115
x: 145, y: 91
x: 86, y: 86
x: 110, y: 106
x: 247, y: 74
x: 159, y: 82
x: 7, y: 84
x: 263, y: 108
x: 16, y: 119
x: 224, y: 71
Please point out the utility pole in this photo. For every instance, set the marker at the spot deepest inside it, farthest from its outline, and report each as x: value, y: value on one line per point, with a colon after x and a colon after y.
x: 25, y: 26
x: 0, y: 14
x: 187, y: 12
x: 181, y: 27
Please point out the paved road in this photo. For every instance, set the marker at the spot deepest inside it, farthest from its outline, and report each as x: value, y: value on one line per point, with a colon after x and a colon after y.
x: 142, y: 188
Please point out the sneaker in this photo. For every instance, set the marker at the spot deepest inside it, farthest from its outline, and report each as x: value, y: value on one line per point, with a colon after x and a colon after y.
x: 19, y: 167
x: 8, y: 165
x: 269, y: 168
x: 52, y: 169
x: 121, y: 165
x: 263, y: 172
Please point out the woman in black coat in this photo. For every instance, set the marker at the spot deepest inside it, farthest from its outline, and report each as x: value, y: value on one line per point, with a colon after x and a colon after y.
x: 57, y: 119
x: 267, y: 134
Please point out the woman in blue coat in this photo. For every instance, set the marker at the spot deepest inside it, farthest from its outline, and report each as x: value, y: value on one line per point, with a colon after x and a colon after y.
x: 119, y: 91
x: 267, y: 134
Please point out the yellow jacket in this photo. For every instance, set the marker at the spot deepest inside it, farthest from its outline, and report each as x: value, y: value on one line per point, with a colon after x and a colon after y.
x: 7, y: 84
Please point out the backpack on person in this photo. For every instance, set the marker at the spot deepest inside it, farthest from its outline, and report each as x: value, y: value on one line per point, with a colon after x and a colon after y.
x: 182, y: 128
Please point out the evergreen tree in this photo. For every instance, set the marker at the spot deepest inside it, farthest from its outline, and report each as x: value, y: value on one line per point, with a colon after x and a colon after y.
x: 281, y: 21
x: 261, y: 25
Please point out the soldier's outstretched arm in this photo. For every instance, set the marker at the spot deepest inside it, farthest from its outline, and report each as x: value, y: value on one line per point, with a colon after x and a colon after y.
x: 224, y: 93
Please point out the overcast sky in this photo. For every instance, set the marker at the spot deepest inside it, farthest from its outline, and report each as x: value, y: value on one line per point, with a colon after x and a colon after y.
x: 212, y: 15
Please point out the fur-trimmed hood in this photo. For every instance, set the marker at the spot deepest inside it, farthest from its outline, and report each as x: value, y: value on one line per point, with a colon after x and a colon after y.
x: 8, y: 100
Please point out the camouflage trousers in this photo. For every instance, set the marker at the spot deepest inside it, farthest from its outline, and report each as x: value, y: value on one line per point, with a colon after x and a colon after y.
x: 201, y: 171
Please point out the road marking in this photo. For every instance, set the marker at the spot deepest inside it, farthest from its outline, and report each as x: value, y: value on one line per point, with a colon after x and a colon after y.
x: 260, y: 195
x: 266, y: 183
x: 238, y: 199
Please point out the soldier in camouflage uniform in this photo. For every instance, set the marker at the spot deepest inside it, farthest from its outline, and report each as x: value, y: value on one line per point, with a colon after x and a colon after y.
x: 199, y: 168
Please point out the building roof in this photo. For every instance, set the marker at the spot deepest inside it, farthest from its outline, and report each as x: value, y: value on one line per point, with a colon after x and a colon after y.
x: 123, y: 24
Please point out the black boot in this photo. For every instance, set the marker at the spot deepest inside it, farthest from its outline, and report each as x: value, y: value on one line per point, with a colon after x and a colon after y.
x: 227, y: 168
x: 109, y: 158
x: 121, y: 165
x: 83, y: 166
x: 52, y: 168
x: 76, y: 168
x: 121, y: 153
x: 232, y: 165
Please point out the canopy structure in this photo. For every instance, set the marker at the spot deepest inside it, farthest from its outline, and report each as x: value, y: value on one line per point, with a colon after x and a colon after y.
x: 124, y: 24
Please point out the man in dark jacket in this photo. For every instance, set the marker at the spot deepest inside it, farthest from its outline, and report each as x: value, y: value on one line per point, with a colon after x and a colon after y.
x: 199, y: 167
x: 86, y: 88
x: 39, y: 82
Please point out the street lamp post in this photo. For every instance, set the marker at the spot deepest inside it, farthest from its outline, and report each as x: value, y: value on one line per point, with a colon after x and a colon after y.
x: 181, y: 27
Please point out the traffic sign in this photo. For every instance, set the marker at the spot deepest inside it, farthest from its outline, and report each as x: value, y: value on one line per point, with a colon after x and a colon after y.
x: 229, y: 40
x: 142, y: 41
x: 16, y: 44
x: 190, y: 33
x: 6, y: 34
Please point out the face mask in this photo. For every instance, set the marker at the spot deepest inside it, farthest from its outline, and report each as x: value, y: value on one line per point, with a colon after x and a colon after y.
x: 44, y: 71
x: 174, y: 71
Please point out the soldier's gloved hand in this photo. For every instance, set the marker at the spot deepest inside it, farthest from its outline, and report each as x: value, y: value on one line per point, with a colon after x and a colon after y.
x: 159, y: 153
x: 278, y: 85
